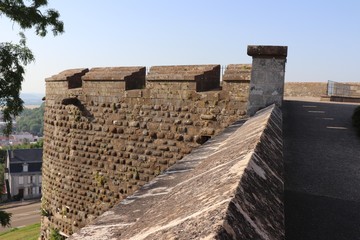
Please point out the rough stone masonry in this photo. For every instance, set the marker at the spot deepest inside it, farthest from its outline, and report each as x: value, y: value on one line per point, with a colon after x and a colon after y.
x: 108, y: 131
x: 229, y: 188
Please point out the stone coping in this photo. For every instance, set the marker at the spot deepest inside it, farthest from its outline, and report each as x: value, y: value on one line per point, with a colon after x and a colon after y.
x: 113, y: 73
x: 68, y: 74
x: 182, y: 72
x: 267, y: 51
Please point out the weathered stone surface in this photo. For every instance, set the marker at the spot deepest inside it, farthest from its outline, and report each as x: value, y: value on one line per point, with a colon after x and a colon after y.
x: 230, y: 188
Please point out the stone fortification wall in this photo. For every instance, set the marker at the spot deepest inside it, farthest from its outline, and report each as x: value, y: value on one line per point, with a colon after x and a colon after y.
x: 318, y: 89
x: 108, y: 131
x: 229, y: 188
x: 305, y: 89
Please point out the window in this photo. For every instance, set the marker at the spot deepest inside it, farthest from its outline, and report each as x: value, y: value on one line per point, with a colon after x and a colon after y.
x: 30, y: 191
x: 30, y: 179
x: 40, y: 179
x: 40, y: 190
x: 25, y: 167
x: 21, y: 180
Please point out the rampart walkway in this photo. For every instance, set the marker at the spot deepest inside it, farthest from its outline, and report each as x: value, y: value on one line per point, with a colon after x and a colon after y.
x: 322, y: 171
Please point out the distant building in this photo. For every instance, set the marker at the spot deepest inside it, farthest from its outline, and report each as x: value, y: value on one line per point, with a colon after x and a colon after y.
x: 23, y: 171
x: 23, y: 137
x: 18, y: 138
x: 5, y: 141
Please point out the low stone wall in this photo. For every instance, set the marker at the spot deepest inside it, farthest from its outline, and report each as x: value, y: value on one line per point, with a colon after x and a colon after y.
x: 305, y: 89
x: 318, y: 89
x: 229, y: 188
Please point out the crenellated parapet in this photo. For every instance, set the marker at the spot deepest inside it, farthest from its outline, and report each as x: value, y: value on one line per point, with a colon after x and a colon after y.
x: 113, y: 81
x: 109, y: 131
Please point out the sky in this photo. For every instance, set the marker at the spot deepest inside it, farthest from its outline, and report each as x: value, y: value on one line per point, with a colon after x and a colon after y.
x: 323, y: 37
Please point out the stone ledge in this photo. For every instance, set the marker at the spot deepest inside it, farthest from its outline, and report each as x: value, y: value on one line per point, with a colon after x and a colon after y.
x: 267, y: 51
x: 229, y: 188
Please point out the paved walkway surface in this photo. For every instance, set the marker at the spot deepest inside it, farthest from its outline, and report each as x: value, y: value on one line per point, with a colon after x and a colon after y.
x: 322, y: 171
x: 23, y: 213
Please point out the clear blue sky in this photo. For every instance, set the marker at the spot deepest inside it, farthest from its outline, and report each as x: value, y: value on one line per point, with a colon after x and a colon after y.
x: 323, y: 36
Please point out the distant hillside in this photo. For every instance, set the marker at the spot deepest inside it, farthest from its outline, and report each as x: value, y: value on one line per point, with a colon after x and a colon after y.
x: 32, y: 98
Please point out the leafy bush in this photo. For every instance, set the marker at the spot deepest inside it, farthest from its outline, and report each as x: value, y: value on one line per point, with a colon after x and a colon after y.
x: 55, y: 235
x: 5, y: 218
x: 356, y: 119
x: 44, y: 212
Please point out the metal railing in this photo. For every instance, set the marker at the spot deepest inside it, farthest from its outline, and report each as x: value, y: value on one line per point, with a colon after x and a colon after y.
x: 343, y: 89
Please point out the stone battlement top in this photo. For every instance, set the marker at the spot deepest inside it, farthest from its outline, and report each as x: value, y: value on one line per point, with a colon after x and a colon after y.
x: 237, y: 72
x: 181, y: 72
x: 112, y: 73
x: 68, y: 74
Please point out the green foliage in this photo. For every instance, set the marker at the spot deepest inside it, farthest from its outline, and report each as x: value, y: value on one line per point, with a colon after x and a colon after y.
x: 356, y: 119
x: 55, y: 235
x: 14, y: 57
x: 44, y: 212
x: 100, y: 178
x: 2, y: 156
x: 30, y: 232
x: 5, y: 218
x: 29, y: 16
x: 31, y: 120
x: 38, y: 144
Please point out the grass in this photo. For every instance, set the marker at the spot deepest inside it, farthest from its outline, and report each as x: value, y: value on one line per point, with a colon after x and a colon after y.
x: 30, y: 232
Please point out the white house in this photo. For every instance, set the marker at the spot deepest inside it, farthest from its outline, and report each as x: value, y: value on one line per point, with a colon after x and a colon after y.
x: 23, y: 171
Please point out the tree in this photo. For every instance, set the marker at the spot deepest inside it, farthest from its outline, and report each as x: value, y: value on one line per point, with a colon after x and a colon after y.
x: 14, y: 57
x: 31, y: 120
